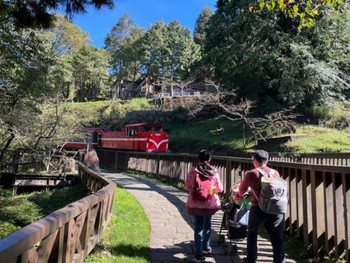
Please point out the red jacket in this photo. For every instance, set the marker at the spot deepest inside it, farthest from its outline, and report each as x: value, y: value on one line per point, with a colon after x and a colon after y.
x: 252, y: 179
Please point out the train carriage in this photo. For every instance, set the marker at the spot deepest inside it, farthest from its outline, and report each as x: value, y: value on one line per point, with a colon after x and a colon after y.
x: 138, y: 137
x: 149, y: 137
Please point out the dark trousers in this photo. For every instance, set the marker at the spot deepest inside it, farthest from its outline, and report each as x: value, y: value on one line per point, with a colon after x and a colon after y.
x: 273, y: 225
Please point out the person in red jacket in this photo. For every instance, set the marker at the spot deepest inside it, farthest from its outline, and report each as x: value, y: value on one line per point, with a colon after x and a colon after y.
x: 273, y: 223
x: 202, y: 210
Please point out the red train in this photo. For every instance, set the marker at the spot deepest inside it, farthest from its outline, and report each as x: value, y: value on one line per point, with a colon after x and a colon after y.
x: 149, y: 137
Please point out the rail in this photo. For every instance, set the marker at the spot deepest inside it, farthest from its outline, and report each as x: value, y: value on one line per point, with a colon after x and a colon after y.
x: 337, y: 159
x: 319, y: 195
x: 66, y: 235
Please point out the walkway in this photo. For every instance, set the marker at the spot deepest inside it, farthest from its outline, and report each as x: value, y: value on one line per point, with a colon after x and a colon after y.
x: 171, y: 226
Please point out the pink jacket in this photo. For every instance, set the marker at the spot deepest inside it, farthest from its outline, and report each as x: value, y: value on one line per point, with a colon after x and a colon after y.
x: 209, y: 206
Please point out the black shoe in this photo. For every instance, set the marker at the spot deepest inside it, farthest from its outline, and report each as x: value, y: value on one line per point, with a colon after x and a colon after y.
x: 199, y: 259
x: 245, y: 260
x: 207, y: 251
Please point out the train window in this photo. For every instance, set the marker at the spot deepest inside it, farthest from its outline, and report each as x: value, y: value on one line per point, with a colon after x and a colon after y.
x: 145, y: 128
x: 157, y: 129
x: 94, y: 137
x: 131, y: 131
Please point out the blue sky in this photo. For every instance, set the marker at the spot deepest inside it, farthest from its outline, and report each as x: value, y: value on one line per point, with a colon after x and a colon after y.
x: 98, y: 23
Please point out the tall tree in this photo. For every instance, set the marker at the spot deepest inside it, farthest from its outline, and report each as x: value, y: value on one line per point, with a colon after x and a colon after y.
x: 266, y: 59
x: 201, y: 70
x: 24, y: 63
x: 90, y: 74
x: 201, y: 26
x: 63, y: 40
x: 123, y: 46
x: 168, y: 51
x: 64, y: 37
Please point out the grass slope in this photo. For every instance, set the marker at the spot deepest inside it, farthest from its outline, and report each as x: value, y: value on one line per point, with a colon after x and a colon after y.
x: 190, y: 135
x: 126, y: 238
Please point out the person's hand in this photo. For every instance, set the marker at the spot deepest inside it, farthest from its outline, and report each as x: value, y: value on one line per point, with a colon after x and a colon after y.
x: 248, y: 192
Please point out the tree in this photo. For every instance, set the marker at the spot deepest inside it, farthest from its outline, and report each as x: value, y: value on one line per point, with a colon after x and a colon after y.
x: 24, y: 64
x: 90, y: 74
x: 305, y: 12
x: 168, y: 51
x: 201, y: 70
x: 123, y: 47
x: 64, y: 37
x: 63, y: 40
x: 37, y: 13
x: 266, y: 59
x: 201, y: 26
x: 224, y: 105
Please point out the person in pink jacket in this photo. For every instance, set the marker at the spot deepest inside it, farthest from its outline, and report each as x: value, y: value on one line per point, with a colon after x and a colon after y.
x: 202, y: 210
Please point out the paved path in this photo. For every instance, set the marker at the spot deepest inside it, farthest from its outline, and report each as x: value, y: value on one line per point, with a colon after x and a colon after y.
x: 171, y: 226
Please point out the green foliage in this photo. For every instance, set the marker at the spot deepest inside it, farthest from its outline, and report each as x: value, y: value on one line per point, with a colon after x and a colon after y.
x: 18, y: 210
x: 201, y: 70
x: 48, y: 202
x: 126, y: 238
x: 168, y: 50
x: 124, y: 48
x: 264, y: 56
x: 27, y: 14
x: 24, y: 66
x: 333, y: 116
x: 21, y: 210
x: 64, y: 37
x: 201, y: 26
x: 7, y: 228
x: 90, y: 71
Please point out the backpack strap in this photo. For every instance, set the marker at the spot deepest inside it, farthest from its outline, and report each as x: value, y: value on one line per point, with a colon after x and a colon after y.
x: 264, y: 173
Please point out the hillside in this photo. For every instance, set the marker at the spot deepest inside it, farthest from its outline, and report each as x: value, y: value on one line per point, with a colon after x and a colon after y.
x: 189, y: 134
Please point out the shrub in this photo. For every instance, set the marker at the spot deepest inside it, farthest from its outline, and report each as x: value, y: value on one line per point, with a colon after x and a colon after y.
x: 335, y: 116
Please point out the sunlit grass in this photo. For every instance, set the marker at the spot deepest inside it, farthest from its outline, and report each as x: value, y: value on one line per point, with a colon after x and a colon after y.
x: 319, y: 139
x: 126, y: 238
x: 212, y: 131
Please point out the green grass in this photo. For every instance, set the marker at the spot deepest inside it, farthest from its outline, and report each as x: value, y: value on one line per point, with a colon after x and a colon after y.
x: 319, y: 139
x: 231, y: 134
x: 21, y: 210
x: 126, y: 238
x: 191, y: 137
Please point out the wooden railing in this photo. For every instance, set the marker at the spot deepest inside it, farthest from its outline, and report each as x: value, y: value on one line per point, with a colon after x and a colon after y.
x: 337, y: 159
x: 319, y: 195
x: 66, y: 235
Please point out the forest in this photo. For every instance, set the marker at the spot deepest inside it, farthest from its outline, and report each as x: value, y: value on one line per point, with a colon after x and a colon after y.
x: 255, y: 61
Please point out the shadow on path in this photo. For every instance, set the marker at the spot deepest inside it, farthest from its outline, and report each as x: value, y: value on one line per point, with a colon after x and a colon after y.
x: 172, y: 227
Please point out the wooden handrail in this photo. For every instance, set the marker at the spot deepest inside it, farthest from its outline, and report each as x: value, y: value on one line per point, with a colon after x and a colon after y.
x: 319, y: 195
x: 68, y: 234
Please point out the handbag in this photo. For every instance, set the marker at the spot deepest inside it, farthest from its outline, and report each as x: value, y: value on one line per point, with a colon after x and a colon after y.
x: 241, y: 216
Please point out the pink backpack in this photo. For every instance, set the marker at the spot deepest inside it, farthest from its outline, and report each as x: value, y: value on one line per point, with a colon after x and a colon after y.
x: 202, y: 187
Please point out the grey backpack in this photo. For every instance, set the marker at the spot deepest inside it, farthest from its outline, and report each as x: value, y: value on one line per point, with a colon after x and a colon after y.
x: 274, y: 193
